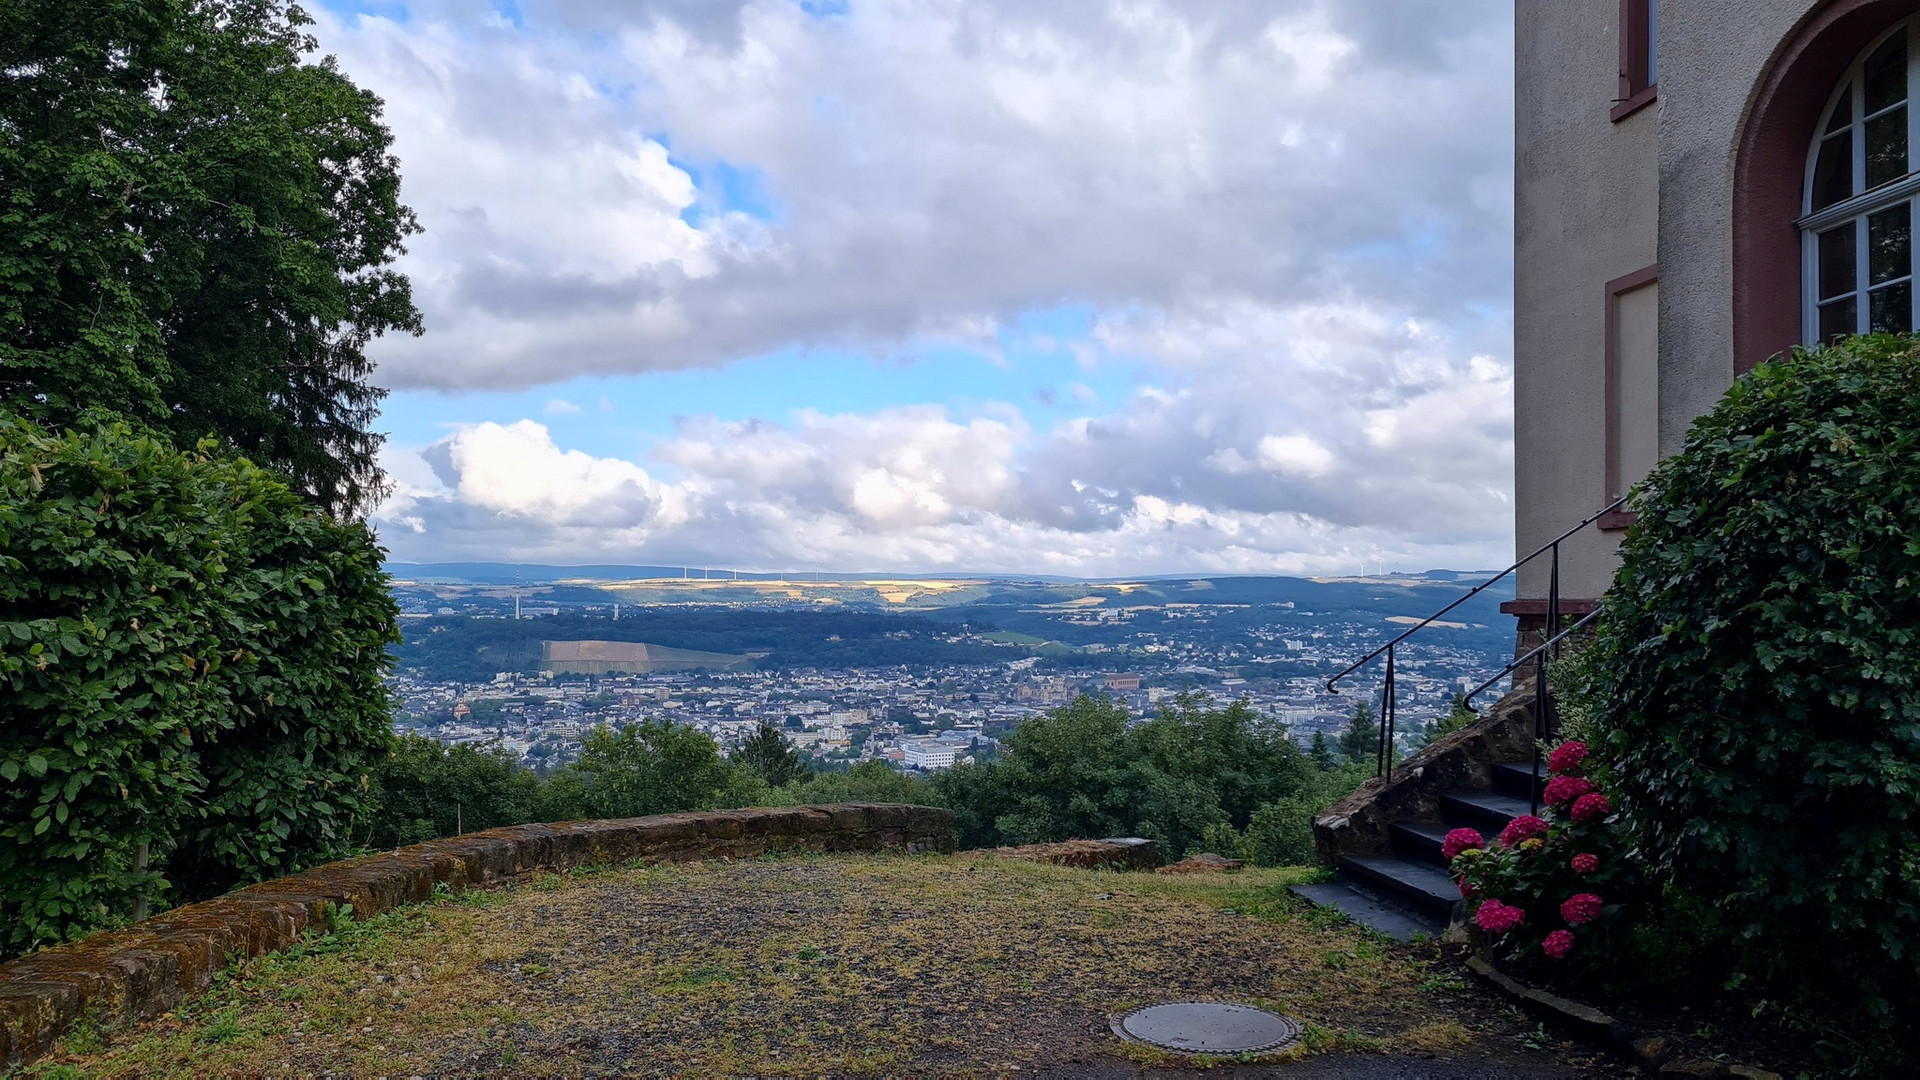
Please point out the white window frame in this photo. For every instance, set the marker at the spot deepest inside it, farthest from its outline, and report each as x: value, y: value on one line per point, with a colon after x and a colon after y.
x: 1850, y: 94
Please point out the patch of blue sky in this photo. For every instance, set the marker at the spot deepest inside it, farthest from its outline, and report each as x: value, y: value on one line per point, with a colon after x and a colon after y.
x: 1037, y: 369
x: 725, y: 187
x: 395, y: 10
x: 825, y: 9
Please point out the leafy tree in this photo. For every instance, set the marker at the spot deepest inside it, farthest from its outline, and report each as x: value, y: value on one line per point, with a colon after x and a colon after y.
x: 655, y: 767
x: 428, y: 789
x: 195, y: 230
x: 192, y: 666
x: 1197, y: 765
x: 1067, y: 774
x: 1457, y: 717
x: 1324, y: 755
x: 1360, y: 743
x: 865, y: 781
x: 979, y: 795
x: 767, y: 755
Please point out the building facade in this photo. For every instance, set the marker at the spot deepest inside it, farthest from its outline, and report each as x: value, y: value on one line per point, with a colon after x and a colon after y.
x: 1699, y: 185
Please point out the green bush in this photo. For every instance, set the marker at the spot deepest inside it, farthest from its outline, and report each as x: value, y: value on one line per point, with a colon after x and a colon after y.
x: 428, y: 789
x: 1193, y: 776
x: 658, y: 767
x: 1758, y: 675
x: 191, y: 666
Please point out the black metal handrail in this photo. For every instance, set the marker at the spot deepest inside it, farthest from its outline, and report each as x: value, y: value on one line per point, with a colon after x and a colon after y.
x: 1389, y: 698
x: 1544, y: 724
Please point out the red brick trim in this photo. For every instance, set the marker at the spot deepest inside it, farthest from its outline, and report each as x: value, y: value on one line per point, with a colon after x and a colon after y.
x: 1615, y: 520
x: 1633, y: 103
x: 1637, y: 91
x: 148, y: 968
x: 1770, y: 168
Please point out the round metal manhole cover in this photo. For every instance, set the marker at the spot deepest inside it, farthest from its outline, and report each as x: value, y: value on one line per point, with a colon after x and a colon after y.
x: 1208, y: 1027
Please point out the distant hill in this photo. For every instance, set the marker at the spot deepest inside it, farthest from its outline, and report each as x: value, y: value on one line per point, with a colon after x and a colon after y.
x: 491, y: 573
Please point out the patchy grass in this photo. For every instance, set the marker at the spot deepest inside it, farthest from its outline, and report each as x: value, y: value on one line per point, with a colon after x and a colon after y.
x: 805, y: 965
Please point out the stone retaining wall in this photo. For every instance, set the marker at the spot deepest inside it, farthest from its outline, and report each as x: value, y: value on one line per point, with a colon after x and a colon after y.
x: 125, y: 975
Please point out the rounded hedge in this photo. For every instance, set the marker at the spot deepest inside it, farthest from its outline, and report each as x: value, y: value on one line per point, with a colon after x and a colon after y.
x: 192, y: 664
x: 1759, y: 668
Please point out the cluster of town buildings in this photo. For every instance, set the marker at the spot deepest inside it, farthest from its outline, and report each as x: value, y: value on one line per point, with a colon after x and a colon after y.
x: 925, y: 719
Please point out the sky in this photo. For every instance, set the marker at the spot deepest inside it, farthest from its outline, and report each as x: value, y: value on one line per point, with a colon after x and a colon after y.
x: 1090, y: 287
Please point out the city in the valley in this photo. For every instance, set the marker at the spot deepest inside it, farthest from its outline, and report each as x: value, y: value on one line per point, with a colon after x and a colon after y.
x: 922, y: 673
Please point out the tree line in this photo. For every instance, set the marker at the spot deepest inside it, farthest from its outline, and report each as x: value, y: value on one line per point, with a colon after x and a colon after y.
x: 1195, y: 776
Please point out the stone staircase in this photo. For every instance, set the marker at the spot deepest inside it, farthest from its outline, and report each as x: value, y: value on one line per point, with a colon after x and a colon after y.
x: 1383, y: 842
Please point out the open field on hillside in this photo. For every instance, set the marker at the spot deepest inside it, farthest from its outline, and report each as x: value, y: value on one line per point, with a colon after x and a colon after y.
x: 823, y: 965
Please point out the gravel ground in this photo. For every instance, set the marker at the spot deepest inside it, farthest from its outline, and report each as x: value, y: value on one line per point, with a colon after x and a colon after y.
x: 834, y: 966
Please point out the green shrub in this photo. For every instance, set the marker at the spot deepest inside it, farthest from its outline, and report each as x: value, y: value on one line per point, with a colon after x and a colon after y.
x: 658, y: 767
x: 1759, y: 675
x: 191, y: 665
x: 428, y: 789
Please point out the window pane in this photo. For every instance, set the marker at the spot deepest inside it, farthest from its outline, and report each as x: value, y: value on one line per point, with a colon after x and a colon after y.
x: 1890, y: 244
x: 1842, y: 111
x: 1833, y: 174
x: 1886, y: 74
x: 1837, y: 319
x: 1886, y: 147
x: 1892, y: 309
x: 1837, y: 269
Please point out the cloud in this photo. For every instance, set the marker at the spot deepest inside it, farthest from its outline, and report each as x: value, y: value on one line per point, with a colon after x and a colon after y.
x: 1250, y: 474
x: 940, y: 169
x: 1287, y: 221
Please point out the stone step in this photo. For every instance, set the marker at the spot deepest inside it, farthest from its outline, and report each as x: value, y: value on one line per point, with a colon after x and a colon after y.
x: 1510, y: 777
x: 1370, y: 911
x: 1419, y: 840
x: 1422, y: 886
x: 1488, y: 811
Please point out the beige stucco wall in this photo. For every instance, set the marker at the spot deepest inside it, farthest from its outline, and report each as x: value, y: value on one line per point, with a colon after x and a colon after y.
x: 1701, y: 109
x: 1586, y: 212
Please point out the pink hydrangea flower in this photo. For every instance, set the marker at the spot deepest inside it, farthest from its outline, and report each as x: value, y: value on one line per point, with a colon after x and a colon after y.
x: 1460, y: 840
x: 1558, y: 944
x: 1591, y: 806
x: 1567, y: 757
x: 1466, y: 889
x: 1585, y: 863
x: 1581, y: 908
x: 1523, y: 828
x: 1565, y: 789
x: 1497, y: 918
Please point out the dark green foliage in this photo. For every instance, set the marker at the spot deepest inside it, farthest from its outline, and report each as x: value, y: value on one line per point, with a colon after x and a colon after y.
x: 1457, y: 717
x: 867, y: 781
x: 1759, y: 673
x: 1360, y: 743
x: 428, y: 789
x: 654, y: 768
x: 766, y: 755
x: 191, y: 660
x: 1322, y: 752
x: 194, y: 232
x: 473, y: 650
x: 1086, y: 771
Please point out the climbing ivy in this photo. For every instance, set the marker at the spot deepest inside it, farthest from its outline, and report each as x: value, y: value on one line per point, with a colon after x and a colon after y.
x: 1759, y: 670
x: 191, y: 667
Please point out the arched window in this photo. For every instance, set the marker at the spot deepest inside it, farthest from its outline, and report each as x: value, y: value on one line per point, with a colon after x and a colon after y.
x: 1860, y: 190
